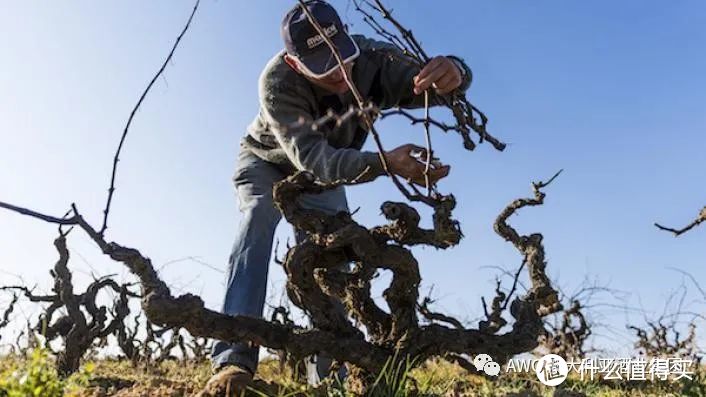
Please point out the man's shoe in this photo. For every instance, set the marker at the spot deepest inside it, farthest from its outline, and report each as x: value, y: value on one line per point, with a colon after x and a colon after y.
x: 229, y: 381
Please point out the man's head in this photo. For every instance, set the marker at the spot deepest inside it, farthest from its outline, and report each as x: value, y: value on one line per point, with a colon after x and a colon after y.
x: 308, y: 53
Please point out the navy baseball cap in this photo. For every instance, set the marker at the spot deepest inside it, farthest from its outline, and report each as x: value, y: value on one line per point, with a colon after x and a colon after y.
x: 303, y: 42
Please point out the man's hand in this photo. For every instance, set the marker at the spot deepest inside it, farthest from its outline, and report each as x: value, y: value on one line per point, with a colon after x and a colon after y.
x: 401, y: 162
x: 441, y: 73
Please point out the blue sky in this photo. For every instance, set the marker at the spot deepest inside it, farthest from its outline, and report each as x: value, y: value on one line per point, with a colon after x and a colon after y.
x: 612, y: 92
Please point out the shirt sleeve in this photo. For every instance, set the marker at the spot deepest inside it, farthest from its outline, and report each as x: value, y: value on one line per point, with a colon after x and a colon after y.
x: 289, y: 118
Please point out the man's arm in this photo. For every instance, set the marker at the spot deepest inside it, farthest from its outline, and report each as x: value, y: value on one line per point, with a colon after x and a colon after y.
x: 309, y: 150
x: 400, y: 76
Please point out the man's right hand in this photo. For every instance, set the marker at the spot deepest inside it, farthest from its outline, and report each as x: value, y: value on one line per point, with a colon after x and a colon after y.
x: 401, y: 162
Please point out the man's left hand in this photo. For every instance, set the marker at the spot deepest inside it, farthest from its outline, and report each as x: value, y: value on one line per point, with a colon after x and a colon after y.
x: 441, y: 73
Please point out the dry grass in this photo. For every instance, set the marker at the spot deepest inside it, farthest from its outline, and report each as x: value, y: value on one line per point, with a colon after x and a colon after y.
x: 435, y: 378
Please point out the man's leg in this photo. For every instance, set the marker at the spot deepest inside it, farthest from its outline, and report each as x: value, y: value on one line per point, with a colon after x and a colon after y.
x: 249, y: 261
x: 330, y: 202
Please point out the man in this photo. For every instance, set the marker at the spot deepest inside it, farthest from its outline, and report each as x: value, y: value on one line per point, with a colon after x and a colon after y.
x: 303, y: 83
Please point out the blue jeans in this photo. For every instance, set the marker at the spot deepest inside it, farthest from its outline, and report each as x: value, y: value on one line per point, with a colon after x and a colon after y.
x: 250, y: 257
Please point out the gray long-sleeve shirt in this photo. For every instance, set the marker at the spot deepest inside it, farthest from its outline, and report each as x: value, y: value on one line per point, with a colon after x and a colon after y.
x: 382, y: 74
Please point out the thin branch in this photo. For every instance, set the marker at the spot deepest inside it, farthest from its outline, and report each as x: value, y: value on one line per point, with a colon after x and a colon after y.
x: 427, y: 139
x: 416, y: 120
x: 424, y: 310
x: 531, y: 247
x: 5, y: 318
x: 111, y: 189
x: 38, y: 215
x: 464, y: 111
x: 693, y: 280
x: 678, y: 232
x: 515, y: 281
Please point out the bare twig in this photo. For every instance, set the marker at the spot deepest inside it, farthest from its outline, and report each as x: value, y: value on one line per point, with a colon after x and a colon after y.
x: 567, y: 338
x: 660, y: 339
x: 531, y: 248
x: 38, y: 215
x: 116, y: 158
x: 692, y: 279
x: 466, y: 113
x: 678, y: 232
x: 8, y: 311
x: 436, y: 316
x: 427, y: 139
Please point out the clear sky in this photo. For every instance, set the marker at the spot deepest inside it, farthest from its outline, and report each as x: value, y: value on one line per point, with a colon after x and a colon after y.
x: 612, y: 92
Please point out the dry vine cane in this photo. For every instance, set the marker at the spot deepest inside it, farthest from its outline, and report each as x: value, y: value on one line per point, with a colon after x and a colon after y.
x: 188, y: 310
x: 128, y: 342
x: 660, y: 339
x: 678, y: 232
x: 287, y: 362
x: 461, y: 108
x: 85, y: 321
x: 77, y: 333
x: 568, y: 337
x: 116, y: 158
x: 152, y: 347
x: 468, y: 117
x: 28, y: 334
x: 5, y: 319
x: 567, y: 332
x: 314, y: 282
